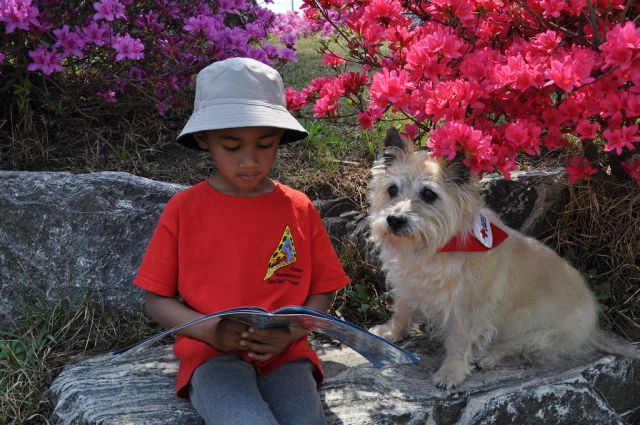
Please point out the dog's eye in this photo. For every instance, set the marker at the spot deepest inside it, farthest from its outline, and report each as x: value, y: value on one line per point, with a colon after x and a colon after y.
x: 393, y: 191
x: 428, y: 195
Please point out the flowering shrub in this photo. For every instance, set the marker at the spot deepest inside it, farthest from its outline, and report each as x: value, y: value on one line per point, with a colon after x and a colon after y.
x: 148, y: 49
x: 291, y: 25
x: 487, y: 80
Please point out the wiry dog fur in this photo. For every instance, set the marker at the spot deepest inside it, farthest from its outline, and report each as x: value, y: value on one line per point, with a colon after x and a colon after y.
x: 518, y: 299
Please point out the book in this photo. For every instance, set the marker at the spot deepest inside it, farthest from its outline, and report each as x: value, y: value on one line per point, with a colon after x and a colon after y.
x: 377, y: 350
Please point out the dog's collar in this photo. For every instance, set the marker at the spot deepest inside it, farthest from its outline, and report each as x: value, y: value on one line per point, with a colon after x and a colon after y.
x: 485, y: 236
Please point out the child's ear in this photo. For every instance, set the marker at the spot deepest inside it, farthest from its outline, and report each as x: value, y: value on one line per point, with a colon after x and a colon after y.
x: 201, y: 139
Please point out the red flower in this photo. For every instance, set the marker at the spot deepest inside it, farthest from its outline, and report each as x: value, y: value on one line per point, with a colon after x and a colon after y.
x: 579, y: 169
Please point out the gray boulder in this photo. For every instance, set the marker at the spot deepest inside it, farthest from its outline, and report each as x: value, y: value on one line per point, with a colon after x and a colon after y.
x: 530, y: 201
x: 589, y: 389
x: 66, y: 236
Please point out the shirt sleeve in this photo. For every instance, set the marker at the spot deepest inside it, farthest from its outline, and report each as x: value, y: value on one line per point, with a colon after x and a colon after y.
x: 327, y: 274
x: 158, y: 271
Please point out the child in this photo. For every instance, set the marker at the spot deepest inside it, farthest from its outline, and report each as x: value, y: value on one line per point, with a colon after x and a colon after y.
x: 240, y: 238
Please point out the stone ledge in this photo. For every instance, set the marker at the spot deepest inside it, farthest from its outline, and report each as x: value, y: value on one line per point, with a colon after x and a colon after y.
x: 591, y: 389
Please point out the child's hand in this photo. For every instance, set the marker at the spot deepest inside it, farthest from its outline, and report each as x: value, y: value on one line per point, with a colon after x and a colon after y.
x: 226, y: 335
x: 264, y: 344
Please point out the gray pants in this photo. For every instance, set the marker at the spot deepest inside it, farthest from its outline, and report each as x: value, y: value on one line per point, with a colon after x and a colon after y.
x: 227, y: 391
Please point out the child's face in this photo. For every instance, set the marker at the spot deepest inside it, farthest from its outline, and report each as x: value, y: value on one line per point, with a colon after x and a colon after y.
x: 243, y: 158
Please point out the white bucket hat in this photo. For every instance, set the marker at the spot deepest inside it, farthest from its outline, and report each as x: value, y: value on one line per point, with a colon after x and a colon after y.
x: 239, y: 92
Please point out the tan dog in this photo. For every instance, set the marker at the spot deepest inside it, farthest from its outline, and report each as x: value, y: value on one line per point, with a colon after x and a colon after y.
x: 516, y: 299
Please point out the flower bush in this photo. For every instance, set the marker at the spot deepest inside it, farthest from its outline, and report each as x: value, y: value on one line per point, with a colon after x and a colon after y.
x: 146, y: 50
x: 489, y: 80
x: 292, y: 25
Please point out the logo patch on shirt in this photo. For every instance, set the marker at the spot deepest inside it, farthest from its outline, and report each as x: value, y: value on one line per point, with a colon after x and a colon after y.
x: 284, y: 255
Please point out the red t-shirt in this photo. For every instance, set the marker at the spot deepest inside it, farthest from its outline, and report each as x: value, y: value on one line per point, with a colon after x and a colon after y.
x: 217, y: 251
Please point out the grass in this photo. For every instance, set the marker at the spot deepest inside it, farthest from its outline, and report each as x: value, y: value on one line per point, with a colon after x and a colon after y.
x: 597, y: 231
x: 46, y: 339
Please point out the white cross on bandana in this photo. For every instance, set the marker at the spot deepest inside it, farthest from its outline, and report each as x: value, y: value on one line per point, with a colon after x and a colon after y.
x: 482, y: 230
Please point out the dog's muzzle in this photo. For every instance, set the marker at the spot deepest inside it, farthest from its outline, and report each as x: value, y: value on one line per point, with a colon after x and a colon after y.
x: 397, y: 223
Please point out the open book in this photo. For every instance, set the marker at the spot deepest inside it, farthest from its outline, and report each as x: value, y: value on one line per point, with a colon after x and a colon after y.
x: 379, y: 351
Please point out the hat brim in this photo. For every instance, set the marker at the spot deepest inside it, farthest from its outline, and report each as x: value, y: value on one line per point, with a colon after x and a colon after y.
x: 236, y: 115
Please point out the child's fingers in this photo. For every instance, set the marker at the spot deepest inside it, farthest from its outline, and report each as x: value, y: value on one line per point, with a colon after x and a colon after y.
x: 260, y: 356
x: 257, y: 347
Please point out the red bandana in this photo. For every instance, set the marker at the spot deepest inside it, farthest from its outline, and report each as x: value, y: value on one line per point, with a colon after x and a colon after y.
x: 485, y: 236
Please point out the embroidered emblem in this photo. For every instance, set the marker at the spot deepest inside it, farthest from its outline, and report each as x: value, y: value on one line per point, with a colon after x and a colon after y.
x: 484, y: 236
x: 482, y: 230
x: 284, y: 255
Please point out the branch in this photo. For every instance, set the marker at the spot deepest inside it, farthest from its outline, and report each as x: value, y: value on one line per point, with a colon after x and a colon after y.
x: 594, y: 23
x: 544, y: 21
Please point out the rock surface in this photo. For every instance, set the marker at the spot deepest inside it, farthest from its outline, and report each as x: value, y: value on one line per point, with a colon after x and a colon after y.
x: 66, y: 236
x: 530, y: 201
x: 590, y: 389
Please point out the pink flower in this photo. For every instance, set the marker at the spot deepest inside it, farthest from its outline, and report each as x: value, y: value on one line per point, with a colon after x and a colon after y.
x: 332, y: 60
x: 631, y: 100
x: 457, y: 136
x: 383, y: 13
x: 128, y: 47
x: 442, y: 142
x: 71, y: 42
x: 109, y: 96
x: 429, y: 55
x: 45, y: 60
x: 352, y: 82
x: 632, y: 167
x: 622, y: 43
x: 552, y: 7
x: 587, y: 129
x: 296, y: 100
x: 94, y: 33
x: 366, y: 120
x: 18, y: 14
x: 518, y: 73
x: 546, y: 41
x: 580, y: 169
x: 450, y: 10
x: 618, y: 139
x: 325, y: 106
x: 391, y: 87
x: 524, y: 136
x: 573, y: 70
x: 109, y: 10
x: 453, y: 99
x: 410, y: 131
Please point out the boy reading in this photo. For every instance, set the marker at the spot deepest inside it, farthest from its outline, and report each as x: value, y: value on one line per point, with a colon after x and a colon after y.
x: 240, y: 238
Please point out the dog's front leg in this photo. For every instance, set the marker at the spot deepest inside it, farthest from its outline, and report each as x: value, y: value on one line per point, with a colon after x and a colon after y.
x: 456, y: 365
x: 397, y: 327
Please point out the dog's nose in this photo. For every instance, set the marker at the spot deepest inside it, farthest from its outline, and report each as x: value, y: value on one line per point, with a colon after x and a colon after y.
x: 396, y: 222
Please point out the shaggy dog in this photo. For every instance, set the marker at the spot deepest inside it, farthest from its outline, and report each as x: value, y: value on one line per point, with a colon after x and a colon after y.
x: 510, y: 296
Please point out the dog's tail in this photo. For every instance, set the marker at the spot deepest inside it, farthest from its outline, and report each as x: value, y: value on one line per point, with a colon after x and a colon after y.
x: 614, y: 345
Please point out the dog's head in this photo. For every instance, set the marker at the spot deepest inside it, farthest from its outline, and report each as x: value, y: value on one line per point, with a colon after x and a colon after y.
x: 416, y: 200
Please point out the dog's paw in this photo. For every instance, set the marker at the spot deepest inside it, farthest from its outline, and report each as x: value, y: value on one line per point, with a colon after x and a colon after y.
x: 386, y: 331
x: 448, y: 377
x: 487, y: 362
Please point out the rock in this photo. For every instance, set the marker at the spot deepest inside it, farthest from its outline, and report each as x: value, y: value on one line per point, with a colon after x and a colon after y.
x: 65, y: 236
x: 334, y: 207
x: 530, y: 200
x: 587, y: 389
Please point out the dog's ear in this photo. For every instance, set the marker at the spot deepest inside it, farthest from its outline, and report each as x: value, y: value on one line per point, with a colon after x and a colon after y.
x: 394, y: 146
x: 455, y: 171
